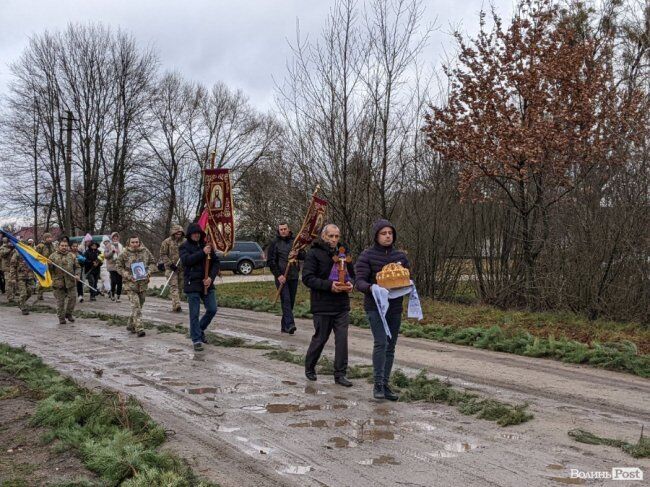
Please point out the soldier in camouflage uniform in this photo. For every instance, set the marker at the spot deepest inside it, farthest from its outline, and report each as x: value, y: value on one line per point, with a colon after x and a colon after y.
x: 137, y: 288
x: 64, y: 286
x: 171, y: 259
x: 6, y: 253
x: 45, y: 248
x: 23, y: 277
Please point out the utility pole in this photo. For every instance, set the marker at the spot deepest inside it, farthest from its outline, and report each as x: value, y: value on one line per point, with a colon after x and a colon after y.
x: 68, y: 173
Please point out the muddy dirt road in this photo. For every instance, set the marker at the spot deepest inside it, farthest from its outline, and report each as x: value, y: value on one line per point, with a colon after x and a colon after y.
x: 242, y: 419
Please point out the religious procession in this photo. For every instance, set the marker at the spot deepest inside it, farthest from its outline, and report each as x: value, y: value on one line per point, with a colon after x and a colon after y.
x: 317, y: 255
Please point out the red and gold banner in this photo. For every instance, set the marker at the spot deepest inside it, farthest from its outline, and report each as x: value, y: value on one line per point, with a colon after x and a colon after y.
x: 312, y: 224
x: 219, y: 207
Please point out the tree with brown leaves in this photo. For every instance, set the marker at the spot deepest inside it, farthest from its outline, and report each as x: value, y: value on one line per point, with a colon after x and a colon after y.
x: 532, y: 110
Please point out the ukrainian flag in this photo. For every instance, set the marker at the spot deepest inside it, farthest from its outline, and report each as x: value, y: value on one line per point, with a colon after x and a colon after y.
x: 36, y: 262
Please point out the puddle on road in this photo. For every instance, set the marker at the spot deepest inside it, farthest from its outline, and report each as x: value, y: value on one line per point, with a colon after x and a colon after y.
x: 419, y: 426
x: 340, y: 442
x: 174, y: 350
x: 201, y: 390
x: 374, y: 435
x: 510, y: 436
x: 312, y: 390
x: 319, y: 423
x: 289, y: 382
x: 451, y: 449
x: 442, y: 454
x: 227, y: 429
x: 460, y: 447
x: 568, y: 480
x: 296, y: 469
x: 254, y: 408
x: 555, y: 466
x: 382, y: 460
x: 293, y: 408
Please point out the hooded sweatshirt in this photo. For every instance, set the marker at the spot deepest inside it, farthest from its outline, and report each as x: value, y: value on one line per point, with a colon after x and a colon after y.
x: 193, y: 260
x: 371, y: 261
x: 169, y: 253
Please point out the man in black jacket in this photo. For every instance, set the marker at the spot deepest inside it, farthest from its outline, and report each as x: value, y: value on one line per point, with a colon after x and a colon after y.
x: 193, y: 253
x: 330, y: 304
x: 278, y: 256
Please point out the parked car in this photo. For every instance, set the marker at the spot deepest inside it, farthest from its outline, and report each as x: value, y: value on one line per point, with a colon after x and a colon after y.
x: 243, y: 258
x: 96, y: 238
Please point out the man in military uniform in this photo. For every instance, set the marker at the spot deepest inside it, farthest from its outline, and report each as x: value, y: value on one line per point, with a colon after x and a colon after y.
x: 135, y: 255
x: 64, y: 286
x: 6, y: 252
x: 171, y: 259
x: 45, y: 248
x: 23, y: 276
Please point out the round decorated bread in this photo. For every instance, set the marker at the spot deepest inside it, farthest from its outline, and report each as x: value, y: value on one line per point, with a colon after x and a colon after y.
x: 393, y: 275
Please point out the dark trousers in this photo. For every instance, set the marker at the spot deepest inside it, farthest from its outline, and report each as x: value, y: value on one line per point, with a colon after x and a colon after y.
x: 93, y: 277
x: 323, y: 326
x: 2, y: 282
x: 383, y: 352
x: 116, y: 283
x: 288, y: 299
x: 80, y: 287
x: 194, y: 300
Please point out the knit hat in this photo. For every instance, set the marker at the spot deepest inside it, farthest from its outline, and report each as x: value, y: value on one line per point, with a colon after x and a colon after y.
x: 88, y: 238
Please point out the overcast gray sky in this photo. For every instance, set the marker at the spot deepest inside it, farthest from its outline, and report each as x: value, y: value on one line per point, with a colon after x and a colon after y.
x: 241, y: 42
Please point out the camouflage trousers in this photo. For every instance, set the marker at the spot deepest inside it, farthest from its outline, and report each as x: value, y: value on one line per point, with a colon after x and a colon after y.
x: 135, y: 320
x: 175, y: 287
x: 39, y: 291
x: 66, y: 298
x: 25, y: 291
x: 11, y: 288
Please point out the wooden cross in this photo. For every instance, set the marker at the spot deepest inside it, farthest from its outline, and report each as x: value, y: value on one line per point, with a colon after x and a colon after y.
x: 342, y: 260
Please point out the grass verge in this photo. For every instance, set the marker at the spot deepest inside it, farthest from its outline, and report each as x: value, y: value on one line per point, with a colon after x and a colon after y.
x: 559, y: 336
x: 114, y: 437
x: 422, y: 388
x: 640, y: 449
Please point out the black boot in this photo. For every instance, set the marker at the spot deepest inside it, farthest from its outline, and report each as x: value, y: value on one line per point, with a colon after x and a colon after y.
x: 343, y: 381
x: 390, y: 395
x: 310, y: 374
x: 378, y: 391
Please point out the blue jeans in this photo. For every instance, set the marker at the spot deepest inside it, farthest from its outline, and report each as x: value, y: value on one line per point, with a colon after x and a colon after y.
x: 197, y: 327
x: 383, y: 352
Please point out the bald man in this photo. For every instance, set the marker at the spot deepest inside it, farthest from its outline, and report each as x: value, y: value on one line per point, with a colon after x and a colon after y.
x: 330, y: 304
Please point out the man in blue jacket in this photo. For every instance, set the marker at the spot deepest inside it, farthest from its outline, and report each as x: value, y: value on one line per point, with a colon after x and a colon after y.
x: 370, y: 262
x: 193, y: 252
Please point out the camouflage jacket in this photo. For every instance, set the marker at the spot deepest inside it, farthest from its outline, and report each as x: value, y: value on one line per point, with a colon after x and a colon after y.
x: 129, y: 257
x: 45, y: 249
x: 19, y: 269
x: 67, y: 261
x: 6, y: 252
x: 169, y: 253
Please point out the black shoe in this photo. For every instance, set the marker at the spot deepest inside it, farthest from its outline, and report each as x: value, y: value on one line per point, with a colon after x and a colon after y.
x: 178, y: 309
x: 390, y: 395
x: 343, y: 381
x: 69, y: 318
x: 141, y: 333
x: 25, y: 312
x: 130, y: 329
x: 61, y: 321
x: 292, y: 330
x: 310, y: 374
x: 204, y: 339
x: 198, y: 347
x: 378, y: 392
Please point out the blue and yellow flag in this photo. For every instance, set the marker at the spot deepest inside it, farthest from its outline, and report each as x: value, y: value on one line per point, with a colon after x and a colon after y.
x: 36, y: 262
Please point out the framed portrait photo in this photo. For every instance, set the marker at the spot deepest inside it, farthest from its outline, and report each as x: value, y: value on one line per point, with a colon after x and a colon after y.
x: 139, y: 271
